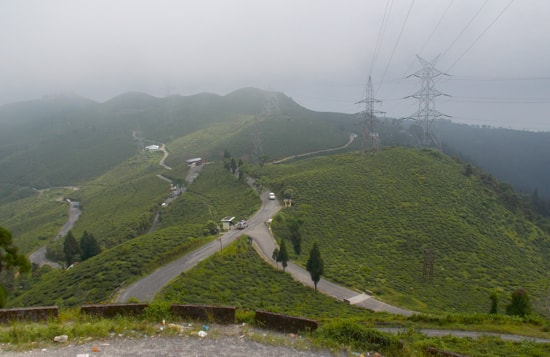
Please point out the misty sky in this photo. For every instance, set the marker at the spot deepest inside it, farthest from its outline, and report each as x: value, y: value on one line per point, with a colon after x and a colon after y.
x: 319, y: 52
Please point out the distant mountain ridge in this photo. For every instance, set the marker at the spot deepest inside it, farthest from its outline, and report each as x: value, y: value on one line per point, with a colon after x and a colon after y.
x: 66, y: 139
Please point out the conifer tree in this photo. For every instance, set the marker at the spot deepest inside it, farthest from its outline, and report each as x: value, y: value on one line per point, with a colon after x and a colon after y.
x: 88, y: 246
x: 315, y: 264
x: 282, y: 256
x: 70, y: 248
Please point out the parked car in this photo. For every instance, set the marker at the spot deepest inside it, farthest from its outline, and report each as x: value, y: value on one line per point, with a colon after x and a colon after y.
x: 242, y: 224
x: 271, y: 196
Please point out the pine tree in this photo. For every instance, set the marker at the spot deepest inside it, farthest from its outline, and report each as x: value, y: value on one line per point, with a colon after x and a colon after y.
x: 88, y: 246
x: 315, y: 264
x: 70, y: 248
x: 275, y: 255
x: 282, y: 256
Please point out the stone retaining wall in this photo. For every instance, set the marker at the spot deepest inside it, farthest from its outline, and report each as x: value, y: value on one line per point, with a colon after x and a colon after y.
x: 29, y: 314
x: 284, y: 323
x: 206, y: 313
x: 112, y: 310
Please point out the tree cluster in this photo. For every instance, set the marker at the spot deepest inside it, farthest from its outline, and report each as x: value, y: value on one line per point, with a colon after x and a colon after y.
x: 232, y: 165
x: 73, y: 251
x: 520, y: 305
x: 10, y: 259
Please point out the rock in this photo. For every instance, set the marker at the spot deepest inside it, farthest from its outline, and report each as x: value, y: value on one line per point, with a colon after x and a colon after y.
x: 61, y: 338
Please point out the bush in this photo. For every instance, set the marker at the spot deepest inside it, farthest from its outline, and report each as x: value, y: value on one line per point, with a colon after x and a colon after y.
x: 358, y: 337
x: 520, y: 304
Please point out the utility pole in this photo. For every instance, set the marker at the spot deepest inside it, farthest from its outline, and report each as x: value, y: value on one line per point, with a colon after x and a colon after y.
x: 370, y: 138
x: 427, y: 113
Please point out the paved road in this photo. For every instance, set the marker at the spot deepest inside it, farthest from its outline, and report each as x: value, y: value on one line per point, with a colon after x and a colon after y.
x: 39, y: 256
x: 470, y: 334
x: 263, y: 239
x: 351, y: 139
x: 146, y: 288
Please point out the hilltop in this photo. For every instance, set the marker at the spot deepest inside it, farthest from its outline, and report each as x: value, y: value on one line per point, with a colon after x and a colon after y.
x: 378, y: 218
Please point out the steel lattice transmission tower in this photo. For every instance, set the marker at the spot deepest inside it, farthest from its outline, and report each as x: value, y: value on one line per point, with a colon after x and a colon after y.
x: 427, y: 113
x: 370, y: 138
x: 271, y: 105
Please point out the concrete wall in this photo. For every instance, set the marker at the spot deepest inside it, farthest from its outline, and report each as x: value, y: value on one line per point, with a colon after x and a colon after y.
x: 29, y: 314
x: 206, y: 313
x: 112, y: 310
x: 284, y: 323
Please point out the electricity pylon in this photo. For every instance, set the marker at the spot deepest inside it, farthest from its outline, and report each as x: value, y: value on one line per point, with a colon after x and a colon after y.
x: 370, y: 138
x: 271, y: 105
x: 427, y: 113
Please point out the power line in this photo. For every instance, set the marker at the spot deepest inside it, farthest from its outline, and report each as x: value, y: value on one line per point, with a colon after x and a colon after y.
x: 396, y: 43
x: 383, y: 25
x: 437, y: 26
x: 497, y: 79
x: 481, y: 35
x: 466, y: 27
x: 459, y: 99
x: 439, y: 22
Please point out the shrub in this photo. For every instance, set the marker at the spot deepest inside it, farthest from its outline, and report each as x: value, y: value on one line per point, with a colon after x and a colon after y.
x: 356, y: 336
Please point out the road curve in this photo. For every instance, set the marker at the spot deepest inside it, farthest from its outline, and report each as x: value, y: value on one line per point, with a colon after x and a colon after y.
x: 263, y: 239
x: 146, y: 288
x: 38, y: 257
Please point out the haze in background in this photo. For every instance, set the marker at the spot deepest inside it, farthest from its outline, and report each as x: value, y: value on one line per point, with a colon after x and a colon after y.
x: 318, y: 52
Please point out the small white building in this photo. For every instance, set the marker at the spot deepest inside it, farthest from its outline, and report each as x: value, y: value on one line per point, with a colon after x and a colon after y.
x: 194, y: 162
x: 152, y: 148
x: 227, y: 223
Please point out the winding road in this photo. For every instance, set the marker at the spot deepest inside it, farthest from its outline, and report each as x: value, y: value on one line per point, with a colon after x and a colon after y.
x: 38, y: 257
x: 146, y: 288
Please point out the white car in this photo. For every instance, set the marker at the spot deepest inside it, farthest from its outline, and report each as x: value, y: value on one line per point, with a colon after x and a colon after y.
x: 242, y: 224
x: 271, y: 196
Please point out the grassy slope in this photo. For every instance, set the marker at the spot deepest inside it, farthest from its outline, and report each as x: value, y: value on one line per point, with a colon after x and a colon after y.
x: 182, y: 229
x: 122, y: 203
x: 36, y: 219
x: 214, y: 195
x: 237, y: 276
x: 374, y: 217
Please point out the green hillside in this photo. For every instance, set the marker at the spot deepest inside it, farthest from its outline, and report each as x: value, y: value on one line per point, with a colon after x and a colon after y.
x: 214, y: 194
x: 63, y: 141
x: 375, y: 216
x: 237, y: 276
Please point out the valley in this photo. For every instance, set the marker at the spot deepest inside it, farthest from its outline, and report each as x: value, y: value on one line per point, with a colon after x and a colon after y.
x: 402, y: 230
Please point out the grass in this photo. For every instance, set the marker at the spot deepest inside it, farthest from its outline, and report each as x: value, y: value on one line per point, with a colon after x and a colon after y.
x: 214, y: 194
x: 382, y: 212
x: 96, y: 279
x: 35, y: 220
x: 237, y: 276
x: 122, y: 203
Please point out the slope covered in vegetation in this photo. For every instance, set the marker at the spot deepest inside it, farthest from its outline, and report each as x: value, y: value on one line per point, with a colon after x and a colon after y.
x: 184, y: 227
x: 378, y: 219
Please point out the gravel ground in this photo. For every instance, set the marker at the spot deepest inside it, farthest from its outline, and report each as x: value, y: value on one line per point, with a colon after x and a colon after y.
x: 220, y: 341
